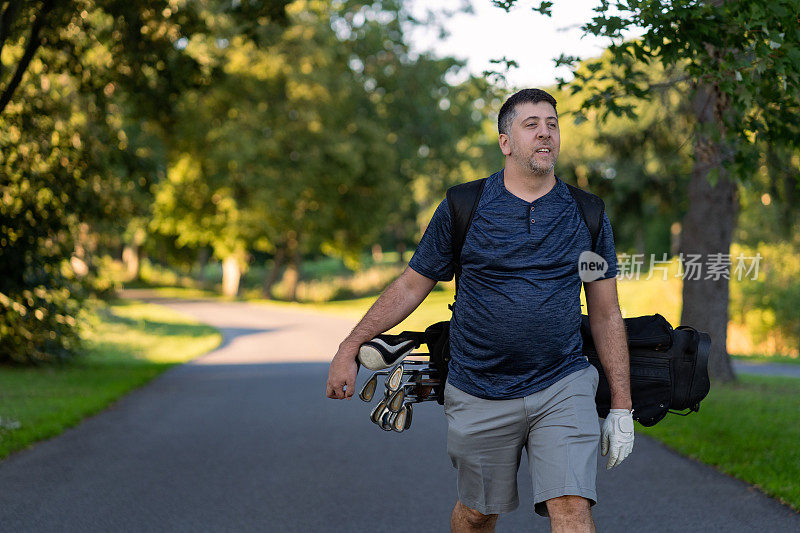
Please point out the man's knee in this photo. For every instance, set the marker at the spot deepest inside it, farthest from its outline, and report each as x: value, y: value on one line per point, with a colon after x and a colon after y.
x: 568, y: 506
x: 474, y: 518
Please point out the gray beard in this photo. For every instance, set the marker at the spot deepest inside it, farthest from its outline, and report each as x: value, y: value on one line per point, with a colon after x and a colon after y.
x: 537, y: 169
x: 530, y: 163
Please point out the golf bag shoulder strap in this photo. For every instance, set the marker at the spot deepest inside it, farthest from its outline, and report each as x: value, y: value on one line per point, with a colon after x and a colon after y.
x: 591, y: 207
x: 463, y: 202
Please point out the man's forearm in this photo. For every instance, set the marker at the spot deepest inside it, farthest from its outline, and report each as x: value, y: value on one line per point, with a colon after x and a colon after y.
x: 392, y: 307
x: 611, y: 342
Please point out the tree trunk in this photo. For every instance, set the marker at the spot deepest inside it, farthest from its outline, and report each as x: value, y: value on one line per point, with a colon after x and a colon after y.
x: 82, y: 260
x: 130, y: 259
x: 377, y: 253
x: 292, y: 275
x: 708, y: 229
x: 640, y: 241
x: 270, y: 280
x: 401, y: 251
x: 203, y: 256
x: 675, y: 239
x: 231, y: 274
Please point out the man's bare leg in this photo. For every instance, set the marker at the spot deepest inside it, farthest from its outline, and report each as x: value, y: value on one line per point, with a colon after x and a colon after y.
x: 570, y: 514
x: 466, y: 520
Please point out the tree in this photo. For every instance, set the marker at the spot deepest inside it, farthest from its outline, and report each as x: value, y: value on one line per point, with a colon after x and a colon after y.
x: 436, y: 126
x: 740, y: 62
x: 259, y: 159
x: 71, y: 75
x: 317, y: 143
x: 639, y: 167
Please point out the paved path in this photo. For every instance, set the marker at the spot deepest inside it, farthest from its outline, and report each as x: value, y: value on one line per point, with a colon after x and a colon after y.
x: 767, y: 369
x: 242, y: 440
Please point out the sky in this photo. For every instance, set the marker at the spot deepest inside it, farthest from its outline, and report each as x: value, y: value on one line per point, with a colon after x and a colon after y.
x: 531, y: 39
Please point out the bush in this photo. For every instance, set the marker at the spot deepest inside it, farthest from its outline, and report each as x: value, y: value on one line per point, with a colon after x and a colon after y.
x: 38, y: 325
x: 768, y: 305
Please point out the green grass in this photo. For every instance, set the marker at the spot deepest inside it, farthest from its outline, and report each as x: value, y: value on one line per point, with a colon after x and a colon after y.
x: 127, y: 345
x: 749, y: 429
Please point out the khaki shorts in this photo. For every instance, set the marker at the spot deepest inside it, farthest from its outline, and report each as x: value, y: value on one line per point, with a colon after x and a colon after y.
x: 558, y: 426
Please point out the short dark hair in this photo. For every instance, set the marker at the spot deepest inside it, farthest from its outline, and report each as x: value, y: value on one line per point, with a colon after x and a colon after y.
x: 509, y: 109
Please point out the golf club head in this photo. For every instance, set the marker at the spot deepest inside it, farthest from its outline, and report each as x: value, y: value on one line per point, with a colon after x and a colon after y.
x: 385, y: 350
x: 386, y: 419
x: 395, y: 379
x: 377, y: 411
x: 395, y: 401
x: 409, y: 410
x: 368, y: 390
x: 399, y: 420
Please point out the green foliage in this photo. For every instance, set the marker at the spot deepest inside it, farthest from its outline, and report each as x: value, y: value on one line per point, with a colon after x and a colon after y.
x: 768, y: 304
x: 86, y: 90
x: 747, y: 51
x: 323, y: 142
x: 640, y: 167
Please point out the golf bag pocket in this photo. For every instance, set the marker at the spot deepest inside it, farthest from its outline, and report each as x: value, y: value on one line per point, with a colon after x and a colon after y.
x: 437, y: 338
x: 668, y: 368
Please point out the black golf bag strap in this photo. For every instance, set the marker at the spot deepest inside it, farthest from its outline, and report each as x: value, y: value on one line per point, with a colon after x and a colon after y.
x: 591, y: 207
x: 463, y: 202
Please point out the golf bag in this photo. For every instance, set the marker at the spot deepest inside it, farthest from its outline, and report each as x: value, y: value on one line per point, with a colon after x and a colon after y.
x: 669, y: 367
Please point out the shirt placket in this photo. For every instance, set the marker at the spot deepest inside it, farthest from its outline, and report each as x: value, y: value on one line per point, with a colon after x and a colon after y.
x: 531, y: 218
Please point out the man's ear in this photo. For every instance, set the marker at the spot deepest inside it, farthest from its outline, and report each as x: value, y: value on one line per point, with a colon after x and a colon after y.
x: 505, y: 144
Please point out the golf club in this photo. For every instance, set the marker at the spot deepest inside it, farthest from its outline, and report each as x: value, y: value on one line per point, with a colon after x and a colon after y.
x: 403, y: 419
x: 410, y: 390
x: 386, y: 419
x: 377, y: 411
x: 368, y: 390
x: 399, y: 421
x: 386, y: 350
x: 395, y: 378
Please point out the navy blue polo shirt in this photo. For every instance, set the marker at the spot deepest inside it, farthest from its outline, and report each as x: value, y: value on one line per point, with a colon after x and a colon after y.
x: 516, y: 321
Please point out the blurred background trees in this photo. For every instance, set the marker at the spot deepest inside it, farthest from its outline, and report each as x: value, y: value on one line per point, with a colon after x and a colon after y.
x: 266, y: 145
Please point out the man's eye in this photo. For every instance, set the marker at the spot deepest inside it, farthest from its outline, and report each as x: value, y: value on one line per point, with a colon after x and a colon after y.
x: 552, y: 124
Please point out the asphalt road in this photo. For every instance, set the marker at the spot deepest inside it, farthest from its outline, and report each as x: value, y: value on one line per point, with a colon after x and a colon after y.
x: 243, y: 439
x: 767, y: 369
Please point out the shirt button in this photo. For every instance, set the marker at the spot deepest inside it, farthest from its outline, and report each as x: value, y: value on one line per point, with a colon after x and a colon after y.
x: 532, y: 221
x: 531, y: 208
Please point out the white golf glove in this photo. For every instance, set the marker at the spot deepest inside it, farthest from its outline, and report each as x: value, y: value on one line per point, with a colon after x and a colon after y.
x: 617, y: 435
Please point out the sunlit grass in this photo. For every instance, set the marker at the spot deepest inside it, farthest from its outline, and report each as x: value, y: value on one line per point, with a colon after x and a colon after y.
x: 127, y: 345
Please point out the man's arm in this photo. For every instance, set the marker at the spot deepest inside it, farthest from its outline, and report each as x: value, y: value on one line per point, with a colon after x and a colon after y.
x: 608, y: 332
x: 392, y: 307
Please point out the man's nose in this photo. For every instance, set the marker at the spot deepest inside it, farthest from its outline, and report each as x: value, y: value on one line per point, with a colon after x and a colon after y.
x: 543, y: 132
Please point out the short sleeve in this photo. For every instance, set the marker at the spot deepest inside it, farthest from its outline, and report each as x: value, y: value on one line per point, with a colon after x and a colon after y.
x: 433, y: 257
x: 605, y: 247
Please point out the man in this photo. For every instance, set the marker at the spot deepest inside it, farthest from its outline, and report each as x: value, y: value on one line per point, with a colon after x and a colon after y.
x: 517, y: 378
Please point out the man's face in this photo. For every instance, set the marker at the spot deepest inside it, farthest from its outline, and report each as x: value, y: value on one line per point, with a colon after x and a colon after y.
x: 533, y: 140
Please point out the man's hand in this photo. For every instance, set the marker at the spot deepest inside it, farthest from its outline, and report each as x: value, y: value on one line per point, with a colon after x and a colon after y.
x: 617, y: 436
x: 342, y: 373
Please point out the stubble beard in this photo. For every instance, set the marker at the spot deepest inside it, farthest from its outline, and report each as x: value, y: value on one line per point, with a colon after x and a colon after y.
x: 530, y: 163
x: 538, y: 169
